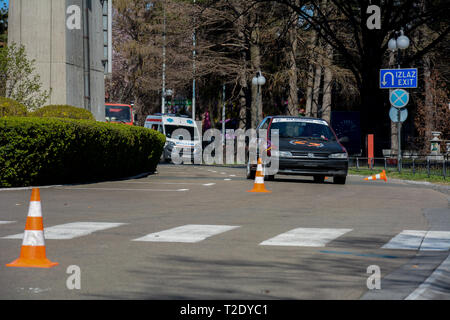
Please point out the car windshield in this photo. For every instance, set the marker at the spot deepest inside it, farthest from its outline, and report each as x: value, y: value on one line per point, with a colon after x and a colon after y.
x: 300, y: 129
x: 118, y: 113
x: 169, y: 128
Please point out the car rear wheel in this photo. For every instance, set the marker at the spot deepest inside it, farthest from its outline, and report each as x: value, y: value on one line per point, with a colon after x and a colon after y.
x: 319, y: 179
x: 339, y: 179
x: 249, y: 173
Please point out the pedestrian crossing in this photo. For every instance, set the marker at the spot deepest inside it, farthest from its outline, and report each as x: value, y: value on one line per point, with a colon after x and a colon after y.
x: 420, y: 240
x: 6, y: 222
x: 71, y: 230
x: 188, y: 233
x: 417, y: 240
x: 306, y: 237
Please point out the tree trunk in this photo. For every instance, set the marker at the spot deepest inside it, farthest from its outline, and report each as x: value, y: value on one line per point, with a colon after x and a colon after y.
x: 327, y: 87
x: 428, y: 105
x: 255, y: 57
x: 293, y: 89
x: 316, y: 90
x: 310, y: 80
x: 242, y: 76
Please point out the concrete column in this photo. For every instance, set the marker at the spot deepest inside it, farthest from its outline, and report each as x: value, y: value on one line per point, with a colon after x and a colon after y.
x: 41, y: 27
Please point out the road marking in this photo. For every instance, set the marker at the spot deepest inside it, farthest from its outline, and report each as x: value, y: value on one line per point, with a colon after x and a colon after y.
x: 406, y: 240
x: 227, y: 179
x: 420, y: 240
x: 71, y: 230
x: 436, y: 241
x: 173, y: 183
x: 6, y: 222
x: 306, y: 237
x: 440, y: 272
x: 189, y: 233
x: 127, y: 189
x: 370, y: 255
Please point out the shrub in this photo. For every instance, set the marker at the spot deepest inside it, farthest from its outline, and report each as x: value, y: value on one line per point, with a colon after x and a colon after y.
x: 10, y: 107
x: 63, y: 111
x: 37, y: 151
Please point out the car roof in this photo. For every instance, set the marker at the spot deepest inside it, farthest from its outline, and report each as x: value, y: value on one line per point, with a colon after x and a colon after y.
x: 280, y: 116
x: 296, y: 117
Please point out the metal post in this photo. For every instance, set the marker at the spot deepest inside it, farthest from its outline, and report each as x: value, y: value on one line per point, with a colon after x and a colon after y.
x: 257, y: 105
x: 428, y: 167
x: 444, y: 168
x: 385, y: 166
x: 223, y: 117
x: 414, y: 167
x: 357, y: 163
x: 399, y: 130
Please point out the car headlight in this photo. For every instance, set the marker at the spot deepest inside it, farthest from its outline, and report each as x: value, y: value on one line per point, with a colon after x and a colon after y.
x: 342, y: 155
x: 282, y: 154
x: 169, y: 144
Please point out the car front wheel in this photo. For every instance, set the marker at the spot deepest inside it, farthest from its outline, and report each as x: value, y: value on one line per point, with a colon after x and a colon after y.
x: 339, y: 179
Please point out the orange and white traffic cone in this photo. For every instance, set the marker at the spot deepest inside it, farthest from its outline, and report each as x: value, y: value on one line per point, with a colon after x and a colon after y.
x: 380, y: 176
x: 32, y: 254
x: 259, y: 179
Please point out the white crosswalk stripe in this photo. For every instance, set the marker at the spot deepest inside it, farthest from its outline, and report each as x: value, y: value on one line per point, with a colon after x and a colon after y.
x: 420, y: 240
x: 6, y: 222
x: 188, y: 233
x: 306, y: 237
x: 71, y: 230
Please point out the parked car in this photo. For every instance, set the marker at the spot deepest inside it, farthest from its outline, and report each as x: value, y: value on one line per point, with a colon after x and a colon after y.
x: 169, y: 124
x: 307, y: 146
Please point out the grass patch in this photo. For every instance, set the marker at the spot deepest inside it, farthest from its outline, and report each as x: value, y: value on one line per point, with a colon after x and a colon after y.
x: 405, y: 175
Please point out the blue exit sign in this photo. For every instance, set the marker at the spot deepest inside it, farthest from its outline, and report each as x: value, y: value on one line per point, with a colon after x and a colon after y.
x: 398, y: 78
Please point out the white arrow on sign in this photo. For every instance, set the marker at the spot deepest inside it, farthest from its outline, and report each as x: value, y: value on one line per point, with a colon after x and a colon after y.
x: 384, y: 78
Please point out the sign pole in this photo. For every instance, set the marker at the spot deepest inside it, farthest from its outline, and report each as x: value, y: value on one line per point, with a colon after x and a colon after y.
x: 399, y: 130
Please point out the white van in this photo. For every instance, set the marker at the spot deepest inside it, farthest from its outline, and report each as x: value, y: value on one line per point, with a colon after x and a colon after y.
x: 186, y: 142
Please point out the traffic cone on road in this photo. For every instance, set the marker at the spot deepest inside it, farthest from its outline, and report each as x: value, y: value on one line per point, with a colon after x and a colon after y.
x: 32, y: 253
x: 259, y: 179
x: 380, y: 176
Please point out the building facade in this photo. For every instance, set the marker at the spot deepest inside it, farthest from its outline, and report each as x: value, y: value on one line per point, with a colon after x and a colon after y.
x: 67, y: 39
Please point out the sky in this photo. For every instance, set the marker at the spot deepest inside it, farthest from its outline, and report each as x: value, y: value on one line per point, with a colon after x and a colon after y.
x: 3, y: 1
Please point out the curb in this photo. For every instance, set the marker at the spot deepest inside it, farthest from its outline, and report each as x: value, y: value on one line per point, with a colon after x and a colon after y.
x: 433, y: 282
x: 141, y: 175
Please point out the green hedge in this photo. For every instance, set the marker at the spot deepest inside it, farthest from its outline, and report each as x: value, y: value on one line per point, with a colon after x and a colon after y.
x: 62, y: 111
x: 39, y: 151
x: 12, y: 108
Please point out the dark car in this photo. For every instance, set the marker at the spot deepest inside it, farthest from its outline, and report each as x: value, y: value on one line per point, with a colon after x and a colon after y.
x: 307, y: 146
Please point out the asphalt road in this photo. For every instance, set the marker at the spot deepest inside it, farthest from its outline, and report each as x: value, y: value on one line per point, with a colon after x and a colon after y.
x: 302, y: 241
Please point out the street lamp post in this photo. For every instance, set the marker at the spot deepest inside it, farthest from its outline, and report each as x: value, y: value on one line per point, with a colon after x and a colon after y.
x: 258, y: 80
x: 401, y: 42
